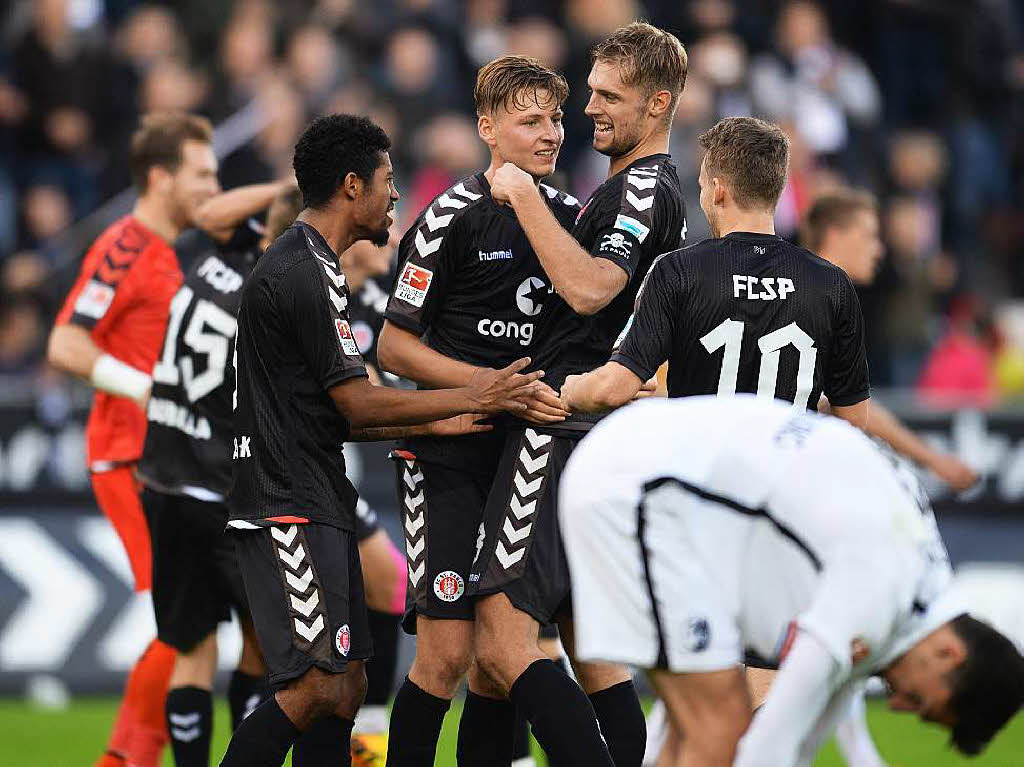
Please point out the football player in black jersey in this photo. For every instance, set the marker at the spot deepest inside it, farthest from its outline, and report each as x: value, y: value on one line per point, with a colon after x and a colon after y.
x: 383, y: 566
x: 185, y: 471
x: 745, y: 311
x: 470, y: 293
x: 301, y: 391
x: 521, y: 572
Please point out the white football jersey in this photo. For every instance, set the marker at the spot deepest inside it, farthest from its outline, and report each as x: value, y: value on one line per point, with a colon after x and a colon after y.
x: 799, y: 519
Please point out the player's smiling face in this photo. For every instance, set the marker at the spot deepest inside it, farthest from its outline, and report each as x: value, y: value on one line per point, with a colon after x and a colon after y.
x: 619, y: 111
x: 527, y: 133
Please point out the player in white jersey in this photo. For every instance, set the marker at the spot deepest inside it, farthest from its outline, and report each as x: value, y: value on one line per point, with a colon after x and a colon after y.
x: 700, y: 528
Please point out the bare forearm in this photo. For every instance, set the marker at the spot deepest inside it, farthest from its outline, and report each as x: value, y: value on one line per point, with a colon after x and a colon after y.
x: 402, y: 353
x: 222, y: 213
x: 606, y: 388
x: 886, y: 427
x: 386, y: 433
x: 72, y: 350
x: 383, y: 407
x: 575, y: 275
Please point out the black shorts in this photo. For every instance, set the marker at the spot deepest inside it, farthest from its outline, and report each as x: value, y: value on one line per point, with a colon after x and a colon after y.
x: 522, y: 554
x: 305, y: 589
x: 196, y: 581
x: 442, y: 516
x: 366, y: 521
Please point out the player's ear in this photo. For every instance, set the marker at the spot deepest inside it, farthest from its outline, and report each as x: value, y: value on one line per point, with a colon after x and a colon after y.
x: 157, y: 177
x: 658, y: 104
x: 352, y: 186
x: 717, y: 191
x: 485, y: 129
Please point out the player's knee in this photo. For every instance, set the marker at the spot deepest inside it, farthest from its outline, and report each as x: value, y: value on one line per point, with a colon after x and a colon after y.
x: 493, y: 657
x: 441, y: 664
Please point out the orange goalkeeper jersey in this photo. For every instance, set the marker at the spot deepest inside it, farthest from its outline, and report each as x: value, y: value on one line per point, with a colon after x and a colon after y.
x: 122, y: 297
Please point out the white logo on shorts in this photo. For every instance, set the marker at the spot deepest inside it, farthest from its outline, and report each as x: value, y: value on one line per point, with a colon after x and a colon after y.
x: 449, y: 586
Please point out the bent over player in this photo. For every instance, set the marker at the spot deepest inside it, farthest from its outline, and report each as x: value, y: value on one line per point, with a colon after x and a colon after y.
x: 301, y: 391
x: 109, y: 332
x: 701, y: 527
x: 520, y: 571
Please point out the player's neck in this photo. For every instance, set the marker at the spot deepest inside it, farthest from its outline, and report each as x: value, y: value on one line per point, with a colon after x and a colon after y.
x: 496, y: 162
x: 655, y: 143
x: 760, y: 222
x: 152, y: 215
x: 334, y: 228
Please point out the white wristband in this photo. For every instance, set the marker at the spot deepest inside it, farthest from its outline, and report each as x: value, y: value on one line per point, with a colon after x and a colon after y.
x: 115, y: 377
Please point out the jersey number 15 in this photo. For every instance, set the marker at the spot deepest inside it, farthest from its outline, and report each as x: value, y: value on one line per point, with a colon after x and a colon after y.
x: 208, y: 332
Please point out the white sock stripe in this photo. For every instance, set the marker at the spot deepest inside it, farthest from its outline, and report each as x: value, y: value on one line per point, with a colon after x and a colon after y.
x: 186, y: 736
x: 185, y: 720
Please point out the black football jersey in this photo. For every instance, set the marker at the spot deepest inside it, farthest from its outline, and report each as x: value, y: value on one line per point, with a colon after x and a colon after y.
x: 631, y: 219
x: 366, y: 314
x: 750, y: 313
x: 294, y: 344
x: 188, y: 439
x: 471, y: 286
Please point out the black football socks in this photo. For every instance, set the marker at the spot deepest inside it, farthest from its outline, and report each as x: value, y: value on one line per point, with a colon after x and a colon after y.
x: 245, y: 693
x: 561, y: 716
x: 189, y: 713
x: 486, y: 732
x: 326, y: 744
x: 262, y: 739
x: 416, y: 719
x: 622, y: 723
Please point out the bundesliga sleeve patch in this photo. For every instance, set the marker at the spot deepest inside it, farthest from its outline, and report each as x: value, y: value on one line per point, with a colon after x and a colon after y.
x: 94, y: 300
x: 348, y: 343
x: 413, y: 285
x: 631, y: 225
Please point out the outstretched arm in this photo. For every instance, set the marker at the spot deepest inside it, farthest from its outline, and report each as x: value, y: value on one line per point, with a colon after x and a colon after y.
x: 219, y: 215
x: 586, y: 283
x: 605, y: 388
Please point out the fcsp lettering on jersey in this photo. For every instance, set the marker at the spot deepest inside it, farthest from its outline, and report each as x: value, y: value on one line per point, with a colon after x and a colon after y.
x: 761, y: 288
x: 221, y: 276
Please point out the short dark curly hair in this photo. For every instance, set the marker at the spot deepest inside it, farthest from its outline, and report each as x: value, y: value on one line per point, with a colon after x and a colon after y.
x: 330, y: 148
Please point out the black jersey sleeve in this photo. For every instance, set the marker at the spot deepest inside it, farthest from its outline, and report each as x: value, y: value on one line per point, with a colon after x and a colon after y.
x: 648, y: 336
x: 626, y: 233
x: 427, y: 255
x: 847, y: 381
x: 314, y: 302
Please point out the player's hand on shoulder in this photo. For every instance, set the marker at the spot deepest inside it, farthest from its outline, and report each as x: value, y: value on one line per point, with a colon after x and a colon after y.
x: 544, y: 406
x: 510, y: 180
x: 495, y: 391
x: 954, y: 472
x: 456, y: 426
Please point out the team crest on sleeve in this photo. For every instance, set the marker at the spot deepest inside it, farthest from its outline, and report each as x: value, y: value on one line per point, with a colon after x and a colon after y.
x: 348, y: 342
x: 94, y: 300
x: 449, y: 586
x: 413, y: 285
x: 343, y: 640
x: 616, y: 243
x: 631, y: 225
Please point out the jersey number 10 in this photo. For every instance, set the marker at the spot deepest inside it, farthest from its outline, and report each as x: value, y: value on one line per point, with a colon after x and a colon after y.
x: 730, y: 335
x: 198, y: 338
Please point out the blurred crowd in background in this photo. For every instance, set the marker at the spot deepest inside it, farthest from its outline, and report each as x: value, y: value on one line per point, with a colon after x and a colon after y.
x: 919, y: 101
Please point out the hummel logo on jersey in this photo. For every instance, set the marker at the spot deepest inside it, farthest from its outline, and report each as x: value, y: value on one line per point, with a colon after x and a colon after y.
x: 242, y: 448
x: 495, y: 255
x: 771, y: 288
x: 413, y: 285
x: 617, y: 244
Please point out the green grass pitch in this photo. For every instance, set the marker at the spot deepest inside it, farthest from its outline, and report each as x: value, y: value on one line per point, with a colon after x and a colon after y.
x: 74, y: 737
